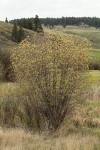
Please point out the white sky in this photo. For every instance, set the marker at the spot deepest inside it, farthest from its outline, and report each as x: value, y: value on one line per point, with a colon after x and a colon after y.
x: 13, y: 9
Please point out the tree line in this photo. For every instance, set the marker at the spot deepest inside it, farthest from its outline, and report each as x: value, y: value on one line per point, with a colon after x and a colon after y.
x: 64, y: 21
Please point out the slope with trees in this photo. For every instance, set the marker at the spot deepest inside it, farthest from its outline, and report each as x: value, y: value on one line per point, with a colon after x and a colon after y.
x: 32, y: 24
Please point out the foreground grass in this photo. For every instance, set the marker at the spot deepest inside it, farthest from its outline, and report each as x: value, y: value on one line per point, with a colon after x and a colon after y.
x: 80, y: 132
x: 16, y: 139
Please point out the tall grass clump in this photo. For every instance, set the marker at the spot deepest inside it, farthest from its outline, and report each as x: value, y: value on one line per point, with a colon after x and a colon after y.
x: 52, y: 78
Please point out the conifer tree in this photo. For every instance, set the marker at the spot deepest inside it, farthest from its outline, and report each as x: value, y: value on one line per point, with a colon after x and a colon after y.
x: 6, y: 20
x: 17, y: 34
x: 14, y: 33
x: 37, y: 25
x: 20, y: 34
x: 30, y: 24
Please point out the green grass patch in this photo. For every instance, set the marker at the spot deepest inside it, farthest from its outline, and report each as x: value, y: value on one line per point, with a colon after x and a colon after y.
x: 95, y: 75
x: 95, y: 54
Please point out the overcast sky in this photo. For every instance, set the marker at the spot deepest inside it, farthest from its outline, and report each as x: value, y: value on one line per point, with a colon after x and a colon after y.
x: 48, y: 8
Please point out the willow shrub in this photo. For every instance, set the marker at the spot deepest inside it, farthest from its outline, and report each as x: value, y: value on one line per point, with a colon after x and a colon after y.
x: 52, y: 79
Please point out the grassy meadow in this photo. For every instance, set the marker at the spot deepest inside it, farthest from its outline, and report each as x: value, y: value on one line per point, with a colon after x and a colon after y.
x: 81, y: 131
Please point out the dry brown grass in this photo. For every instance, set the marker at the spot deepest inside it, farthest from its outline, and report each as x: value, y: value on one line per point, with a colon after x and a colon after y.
x: 8, y: 89
x: 88, y: 114
x: 96, y: 92
x: 18, y: 139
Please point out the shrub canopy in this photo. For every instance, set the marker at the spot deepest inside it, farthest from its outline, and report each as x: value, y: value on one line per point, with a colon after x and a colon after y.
x: 52, y: 77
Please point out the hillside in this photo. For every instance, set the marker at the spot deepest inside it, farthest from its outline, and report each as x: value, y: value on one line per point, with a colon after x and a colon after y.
x: 92, y: 34
x: 6, y: 45
x: 5, y: 35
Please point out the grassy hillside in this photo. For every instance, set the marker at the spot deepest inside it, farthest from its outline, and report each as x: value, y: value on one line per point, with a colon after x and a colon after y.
x: 92, y: 34
x: 5, y: 34
x: 6, y: 31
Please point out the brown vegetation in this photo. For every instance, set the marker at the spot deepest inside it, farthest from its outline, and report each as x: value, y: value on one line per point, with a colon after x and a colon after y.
x: 16, y: 139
